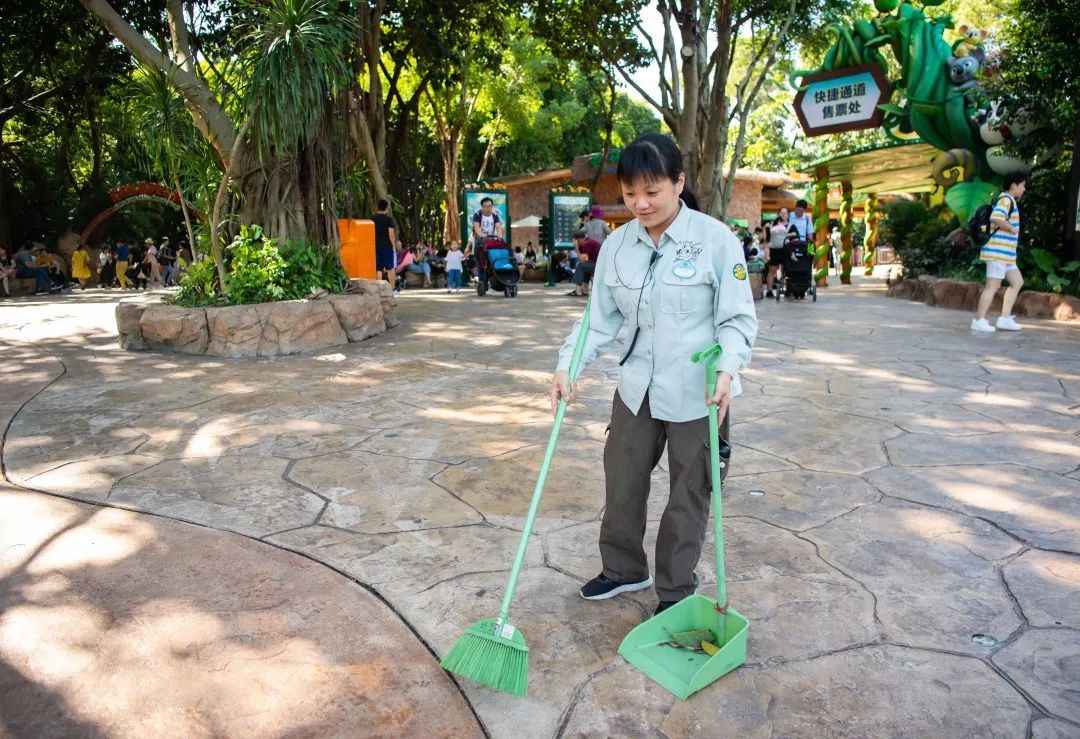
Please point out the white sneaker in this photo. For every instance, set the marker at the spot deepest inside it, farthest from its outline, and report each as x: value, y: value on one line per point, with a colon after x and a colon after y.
x: 1008, y: 323
x: 983, y: 326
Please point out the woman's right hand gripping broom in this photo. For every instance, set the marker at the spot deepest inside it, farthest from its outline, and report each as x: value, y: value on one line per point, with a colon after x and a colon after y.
x: 561, y: 388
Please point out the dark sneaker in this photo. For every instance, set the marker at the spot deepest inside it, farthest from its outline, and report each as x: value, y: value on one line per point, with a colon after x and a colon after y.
x: 664, y: 605
x: 600, y: 587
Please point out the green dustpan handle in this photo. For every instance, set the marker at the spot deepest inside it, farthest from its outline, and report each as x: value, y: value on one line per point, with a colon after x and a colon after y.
x: 710, y: 357
x: 538, y: 491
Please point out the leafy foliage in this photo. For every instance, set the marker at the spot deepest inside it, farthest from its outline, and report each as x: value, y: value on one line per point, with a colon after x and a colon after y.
x: 262, y: 271
x: 300, y: 61
x: 1041, y: 73
x: 927, y: 241
x: 256, y: 268
x: 198, y: 286
x: 1043, y: 255
x: 310, y: 268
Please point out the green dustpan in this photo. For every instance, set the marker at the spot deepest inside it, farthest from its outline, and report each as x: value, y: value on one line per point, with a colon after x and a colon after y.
x: 649, y: 646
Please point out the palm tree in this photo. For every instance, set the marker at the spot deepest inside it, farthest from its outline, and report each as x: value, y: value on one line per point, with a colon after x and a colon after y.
x: 173, y: 148
x: 277, y: 150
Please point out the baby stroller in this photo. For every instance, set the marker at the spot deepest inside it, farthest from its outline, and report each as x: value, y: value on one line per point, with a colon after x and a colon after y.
x: 798, y: 270
x: 500, y: 269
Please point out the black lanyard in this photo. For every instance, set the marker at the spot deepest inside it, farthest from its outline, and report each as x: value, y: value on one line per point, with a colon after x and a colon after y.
x: 637, y: 313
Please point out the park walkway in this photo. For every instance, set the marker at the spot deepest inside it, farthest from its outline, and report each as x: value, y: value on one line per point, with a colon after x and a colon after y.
x: 903, y: 528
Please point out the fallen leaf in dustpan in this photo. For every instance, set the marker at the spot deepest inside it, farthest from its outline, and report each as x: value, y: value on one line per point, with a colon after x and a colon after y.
x: 692, y: 639
x: 710, y: 648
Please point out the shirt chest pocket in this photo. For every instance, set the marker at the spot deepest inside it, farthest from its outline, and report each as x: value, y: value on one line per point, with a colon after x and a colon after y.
x: 686, y: 295
x: 625, y: 298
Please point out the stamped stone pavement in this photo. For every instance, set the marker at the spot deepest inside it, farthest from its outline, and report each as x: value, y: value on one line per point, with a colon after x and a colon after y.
x: 903, y: 515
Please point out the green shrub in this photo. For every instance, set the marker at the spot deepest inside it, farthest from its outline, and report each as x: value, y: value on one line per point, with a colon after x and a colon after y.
x: 309, y: 268
x: 900, y: 219
x: 1044, y: 256
x: 926, y: 243
x: 257, y: 270
x: 198, y: 286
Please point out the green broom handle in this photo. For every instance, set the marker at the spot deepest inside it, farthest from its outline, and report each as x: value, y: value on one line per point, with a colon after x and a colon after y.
x: 519, y: 561
x: 711, y: 356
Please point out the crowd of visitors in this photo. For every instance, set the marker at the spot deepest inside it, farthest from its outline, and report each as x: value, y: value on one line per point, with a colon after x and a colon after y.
x: 463, y: 263
x: 126, y: 265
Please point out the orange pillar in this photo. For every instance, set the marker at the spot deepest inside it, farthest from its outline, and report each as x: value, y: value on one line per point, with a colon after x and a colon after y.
x: 358, y: 248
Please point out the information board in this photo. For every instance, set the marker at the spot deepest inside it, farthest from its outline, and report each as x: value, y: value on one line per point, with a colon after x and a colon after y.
x: 842, y: 100
x: 566, y: 217
x: 1077, y: 208
x: 500, y: 203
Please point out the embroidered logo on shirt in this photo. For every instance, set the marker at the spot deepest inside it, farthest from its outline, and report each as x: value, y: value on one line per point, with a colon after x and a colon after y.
x: 739, y: 271
x: 687, y: 251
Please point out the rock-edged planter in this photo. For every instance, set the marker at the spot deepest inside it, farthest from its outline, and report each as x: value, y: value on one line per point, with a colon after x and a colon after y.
x: 965, y: 296
x: 262, y: 329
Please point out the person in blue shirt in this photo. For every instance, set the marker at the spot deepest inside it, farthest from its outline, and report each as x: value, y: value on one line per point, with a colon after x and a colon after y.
x: 123, y: 253
x: 26, y: 267
x: 677, y: 279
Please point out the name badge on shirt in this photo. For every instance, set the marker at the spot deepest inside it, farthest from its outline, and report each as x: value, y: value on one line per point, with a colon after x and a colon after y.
x: 684, y: 269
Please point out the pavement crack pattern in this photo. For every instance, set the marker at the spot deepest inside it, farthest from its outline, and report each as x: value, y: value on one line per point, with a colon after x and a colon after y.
x: 862, y: 543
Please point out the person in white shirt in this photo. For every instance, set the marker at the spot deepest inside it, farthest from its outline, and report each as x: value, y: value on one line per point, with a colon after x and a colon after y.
x: 677, y: 279
x: 453, y: 268
x: 152, y: 260
x: 776, y: 253
x: 802, y: 222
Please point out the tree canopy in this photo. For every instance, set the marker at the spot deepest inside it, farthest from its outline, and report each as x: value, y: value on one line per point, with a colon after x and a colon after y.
x: 291, y: 113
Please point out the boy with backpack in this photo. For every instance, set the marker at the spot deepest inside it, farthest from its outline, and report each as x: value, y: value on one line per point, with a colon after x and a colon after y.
x: 999, y: 254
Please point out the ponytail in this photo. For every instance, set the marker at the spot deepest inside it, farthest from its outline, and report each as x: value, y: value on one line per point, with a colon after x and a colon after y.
x: 690, y: 198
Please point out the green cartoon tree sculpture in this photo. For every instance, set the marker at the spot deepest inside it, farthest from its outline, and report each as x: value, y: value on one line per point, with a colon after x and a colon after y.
x: 938, y: 95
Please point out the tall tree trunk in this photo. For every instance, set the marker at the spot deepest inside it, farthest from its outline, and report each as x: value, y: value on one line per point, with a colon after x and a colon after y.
x: 489, y: 150
x: 5, y: 223
x: 360, y: 132
x: 1072, y: 228
x: 717, y: 118
x: 451, y: 151
x: 609, y: 125
x: 187, y: 219
x: 687, y: 133
x: 219, y: 203
x: 210, y: 118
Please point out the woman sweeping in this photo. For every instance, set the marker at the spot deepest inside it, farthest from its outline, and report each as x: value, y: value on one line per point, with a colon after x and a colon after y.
x: 677, y: 279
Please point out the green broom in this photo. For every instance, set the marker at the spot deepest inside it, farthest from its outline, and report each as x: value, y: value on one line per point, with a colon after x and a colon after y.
x: 492, y: 652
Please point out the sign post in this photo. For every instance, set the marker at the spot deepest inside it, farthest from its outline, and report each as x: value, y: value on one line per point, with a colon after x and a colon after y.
x: 842, y: 100
x: 565, y: 209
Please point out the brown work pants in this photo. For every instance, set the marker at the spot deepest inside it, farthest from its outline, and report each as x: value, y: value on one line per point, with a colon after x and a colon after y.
x: 634, y: 447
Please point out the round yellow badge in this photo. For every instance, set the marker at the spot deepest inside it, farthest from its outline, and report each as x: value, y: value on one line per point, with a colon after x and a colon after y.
x: 739, y: 271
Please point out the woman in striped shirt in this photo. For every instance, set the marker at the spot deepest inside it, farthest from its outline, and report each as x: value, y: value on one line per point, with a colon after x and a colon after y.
x: 999, y: 253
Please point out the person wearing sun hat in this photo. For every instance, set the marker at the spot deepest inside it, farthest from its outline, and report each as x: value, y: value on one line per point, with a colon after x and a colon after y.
x: 152, y: 260
x: 596, y: 227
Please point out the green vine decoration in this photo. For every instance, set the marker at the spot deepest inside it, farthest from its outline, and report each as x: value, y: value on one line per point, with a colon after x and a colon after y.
x: 845, y: 234
x: 937, y: 95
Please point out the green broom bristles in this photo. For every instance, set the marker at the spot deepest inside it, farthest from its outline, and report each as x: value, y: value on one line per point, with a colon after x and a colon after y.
x: 483, y: 657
